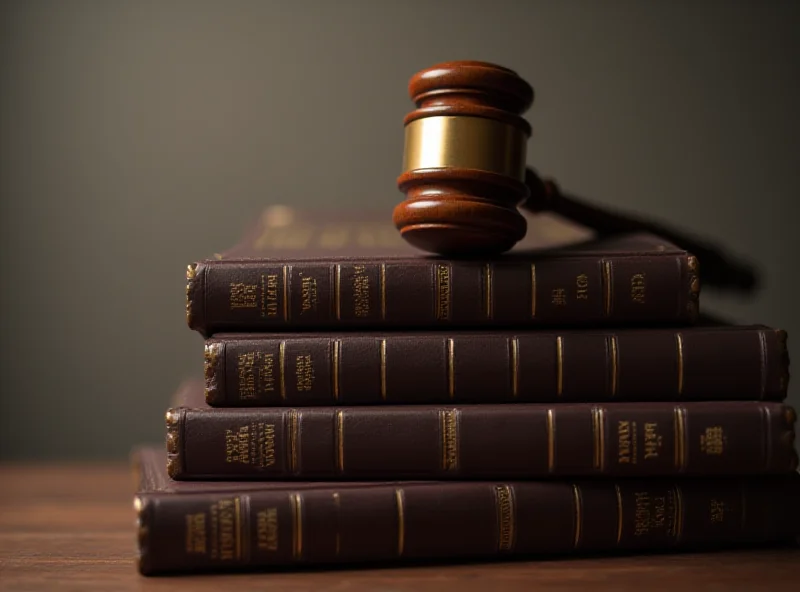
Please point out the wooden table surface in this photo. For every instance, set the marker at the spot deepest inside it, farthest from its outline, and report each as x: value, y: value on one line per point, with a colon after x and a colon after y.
x: 72, y: 528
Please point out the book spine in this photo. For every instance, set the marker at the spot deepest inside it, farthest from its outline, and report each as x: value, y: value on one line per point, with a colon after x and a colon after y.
x: 236, y: 296
x: 342, y: 369
x: 200, y: 532
x: 481, y: 441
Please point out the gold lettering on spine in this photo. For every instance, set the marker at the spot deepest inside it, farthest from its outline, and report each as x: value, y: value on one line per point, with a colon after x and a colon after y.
x: 487, y: 276
x: 619, y: 513
x: 449, y: 430
x: 383, y: 369
x: 340, y: 441
x: 576, y: 493
x: 399, y: 498
x: 285, y: 292
x: 505, y: 517
x: 282, y: 367
x: 267, y: 529
x: 551, y: 440
x: 337, y: 293
x: 451, y: 371
x: 337, y: 354
x: 294, y: 429
x: 679, y: 346
x: 514, y: 367
x: 383, y: 291
x: 614, y: 365
x: 443, y: 292
x: 680, y: 435
x: 607, y: 287
x: 297, y: 525
x: 533, y: 290
x: 559, y: 365
x: 598, y: 428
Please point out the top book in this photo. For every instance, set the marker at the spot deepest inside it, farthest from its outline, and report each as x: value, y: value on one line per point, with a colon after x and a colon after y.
x: 324, y: 270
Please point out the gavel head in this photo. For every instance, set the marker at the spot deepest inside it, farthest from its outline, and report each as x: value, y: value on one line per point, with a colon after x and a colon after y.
x: 464, y: 160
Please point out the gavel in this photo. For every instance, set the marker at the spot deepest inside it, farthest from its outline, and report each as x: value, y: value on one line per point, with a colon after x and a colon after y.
x: 465, y: 174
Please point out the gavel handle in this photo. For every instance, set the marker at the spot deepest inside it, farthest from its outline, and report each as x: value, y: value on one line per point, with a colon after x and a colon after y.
x: 716, y: 268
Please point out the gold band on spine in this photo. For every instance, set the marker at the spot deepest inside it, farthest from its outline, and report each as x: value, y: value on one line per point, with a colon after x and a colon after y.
x: 451, y: 370
x: 619, y: 513
x: 614, y: 365
x: 294, y: 429
x: 238, y: 527
x: 598, y: 430
x: 399, y: 497
x: 282, y: 368
x: 533, y: 290
x: 679, y: 346
x: 383, y: 369
x: 383, y: 291
x: 337, y: 293
x: 465, y: 142
x: 337, y: 503
x: 678, y: 513
x: 285, y: 292
x: 607, y: 287
x: 680, y: 438
x: 297, y: 525
x: 551, y: 440
x: 576, y: 492
x: 559, y: 365
x: 337, y: 354
x: 340, y: 441
x: 515, y: 367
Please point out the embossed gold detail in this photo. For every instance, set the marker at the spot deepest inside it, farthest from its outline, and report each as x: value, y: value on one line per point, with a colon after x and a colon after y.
x: 679, y: 345
x: 614, y: 365
x: 487, y: 276
x: 514, y: 367
x: 383, y: 291
x: 172, y: 442
x: 576, y: 493
x: 533, y: 290
x: 598, y: 430
x: 172, y: 417
x: 340, y: 441
x: 285, y: 292
x: 282, y: 367
x: 789, y: 415
x: 191, y: 274
x: 211, y: 354
x: 173, y: 467
x: 551, y: 440
x: 465, y: 142
x: 762, y: 344
x: 506, y: 519
x: 294, y: 430
x: 680, y: 435
x: 337, y: 293
x: 607, y: 287
x: 559, y: 365
x: 619, y: 513
x: 449, y: 430
x: 451, y: 371
x: 297, y: 525
x: 383, y: 369
x: 443, y: 292
x: 691, y: 263
x: 337, y: 355
x: 399, y: 497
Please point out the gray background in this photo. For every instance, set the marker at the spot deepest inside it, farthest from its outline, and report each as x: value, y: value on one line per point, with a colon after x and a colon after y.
x: 136, y: 137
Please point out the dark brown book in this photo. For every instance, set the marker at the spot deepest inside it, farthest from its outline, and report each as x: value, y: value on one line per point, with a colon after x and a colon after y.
x: 666, y: 364
x: 521, y: 441
x: 304, y: 270
x: 204, y: 526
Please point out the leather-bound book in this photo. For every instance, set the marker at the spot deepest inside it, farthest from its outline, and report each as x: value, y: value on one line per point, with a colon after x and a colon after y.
x: 338, y: 270
x: 710, y: 362
x: 225, y: 526
x: 487, y: 441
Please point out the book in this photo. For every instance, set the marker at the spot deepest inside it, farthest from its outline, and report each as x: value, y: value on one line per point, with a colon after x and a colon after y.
x: 222, y: 526
x: 522, y: 441
x: 325, y: 271
x: 652, y: 364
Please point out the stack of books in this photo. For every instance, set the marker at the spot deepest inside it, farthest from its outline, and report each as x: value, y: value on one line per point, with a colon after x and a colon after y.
x: 364, y: 402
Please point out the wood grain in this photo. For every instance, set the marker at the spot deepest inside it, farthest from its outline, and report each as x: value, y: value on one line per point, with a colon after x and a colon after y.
x: 71, y: 528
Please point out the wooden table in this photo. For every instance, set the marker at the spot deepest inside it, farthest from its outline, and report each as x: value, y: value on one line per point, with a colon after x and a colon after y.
x: 71, y: 528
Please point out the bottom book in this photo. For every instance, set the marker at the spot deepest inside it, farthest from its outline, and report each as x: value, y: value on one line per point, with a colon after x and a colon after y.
x: 212, y: 526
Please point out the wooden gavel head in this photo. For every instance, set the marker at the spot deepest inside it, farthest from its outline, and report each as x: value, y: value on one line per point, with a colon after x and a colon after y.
x: 464, y: 160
